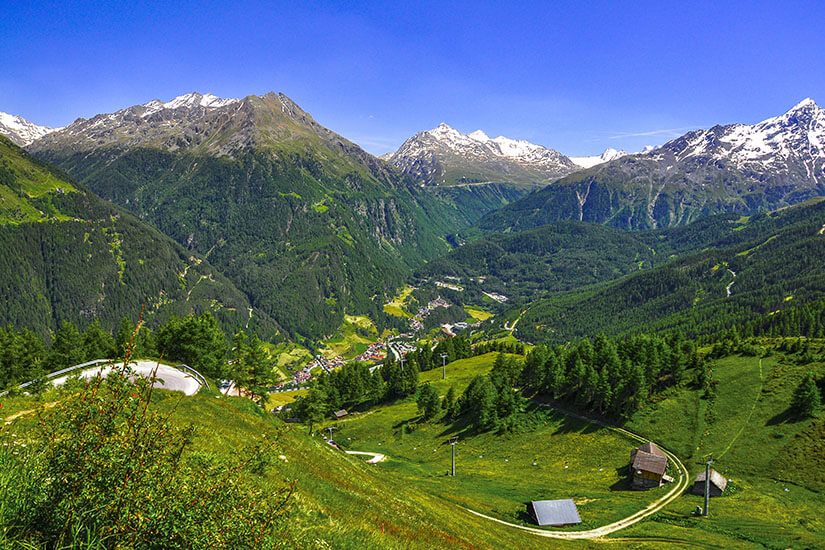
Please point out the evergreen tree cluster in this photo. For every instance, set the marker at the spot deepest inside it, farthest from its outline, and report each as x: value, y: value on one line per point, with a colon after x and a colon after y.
x: 611, y: 378
x: 353, y: 386
x: 197, y: 341
x: 491, y: 401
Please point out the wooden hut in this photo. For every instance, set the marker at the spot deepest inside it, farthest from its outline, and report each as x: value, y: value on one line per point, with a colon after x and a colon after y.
x: 648, y: 464
x: 338, y: 415
x: 717, y: 484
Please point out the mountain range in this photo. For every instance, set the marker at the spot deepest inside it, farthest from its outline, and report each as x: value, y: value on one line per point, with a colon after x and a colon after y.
x: 308, y: 226
x: 732, y: 168
x: 305, y: 222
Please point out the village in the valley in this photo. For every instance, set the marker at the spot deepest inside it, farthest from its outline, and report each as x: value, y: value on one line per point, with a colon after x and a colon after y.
x: 376, y: 352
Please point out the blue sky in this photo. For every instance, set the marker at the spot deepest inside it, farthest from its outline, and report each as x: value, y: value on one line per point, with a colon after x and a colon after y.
x: 575, y: 76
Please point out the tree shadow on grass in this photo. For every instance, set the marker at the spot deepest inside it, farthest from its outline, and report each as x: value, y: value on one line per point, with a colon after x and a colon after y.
x: 459, y: 426
x: 788, y: 416
x: 571, y: 424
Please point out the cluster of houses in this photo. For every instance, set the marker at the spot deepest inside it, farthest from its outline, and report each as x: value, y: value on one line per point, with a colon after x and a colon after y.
x: 404, y: 348
x: 376, y: 351
x: 417, y: 322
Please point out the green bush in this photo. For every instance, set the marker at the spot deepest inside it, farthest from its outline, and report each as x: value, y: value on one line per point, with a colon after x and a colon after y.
x: 107, y: 471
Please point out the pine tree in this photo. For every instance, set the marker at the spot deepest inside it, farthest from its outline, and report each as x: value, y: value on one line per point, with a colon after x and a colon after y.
x: 97, y: 343
x: 427, y: 401
x: 258, y: 365
x: 449, y: 404
x: 806, y: 399
x: 67, y: 347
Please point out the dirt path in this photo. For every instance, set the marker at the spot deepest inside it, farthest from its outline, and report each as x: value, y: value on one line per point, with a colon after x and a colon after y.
x: 750, y: 414
x: 18, y: 414
x: 678, y: 488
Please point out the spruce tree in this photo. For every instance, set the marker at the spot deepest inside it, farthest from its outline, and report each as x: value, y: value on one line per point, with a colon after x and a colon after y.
x: 806, y: 399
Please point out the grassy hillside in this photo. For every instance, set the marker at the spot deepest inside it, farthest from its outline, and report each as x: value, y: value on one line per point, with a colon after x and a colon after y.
x: 774, y: 499
x: 497, y: 474
x: 68, y: 255
x: 773, y: 457
x: 340, y: 502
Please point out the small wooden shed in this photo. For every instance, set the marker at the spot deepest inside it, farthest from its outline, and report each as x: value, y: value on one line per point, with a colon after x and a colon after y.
x: 554, y: 512
x: 338, y: 415
x: 648, y: 464
x: 717, y: 484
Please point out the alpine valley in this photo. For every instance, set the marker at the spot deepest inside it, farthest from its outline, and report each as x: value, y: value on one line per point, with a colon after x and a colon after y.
x: 489, y: 322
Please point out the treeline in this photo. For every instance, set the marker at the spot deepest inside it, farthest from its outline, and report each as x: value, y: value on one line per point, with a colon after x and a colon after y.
x: 197, y: 341
x: 353, y: 386
x: 612, y: 378
x: 606, y: 377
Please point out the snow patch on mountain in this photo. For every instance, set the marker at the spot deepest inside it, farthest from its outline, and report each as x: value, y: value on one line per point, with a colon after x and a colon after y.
x: 21, y: 131
x: 590, y: 161
x: 188, y: 101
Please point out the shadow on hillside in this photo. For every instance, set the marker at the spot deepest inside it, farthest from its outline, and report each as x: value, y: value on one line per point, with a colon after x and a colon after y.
x: 785, y: 417
x: 571, y: 424
x: 623, y: 484
x: 458, y: 427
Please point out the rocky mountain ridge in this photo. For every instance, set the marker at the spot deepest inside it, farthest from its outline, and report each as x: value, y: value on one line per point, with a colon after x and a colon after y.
x: 733, y: 168
x: 21, y: 131
x: 445, y: 156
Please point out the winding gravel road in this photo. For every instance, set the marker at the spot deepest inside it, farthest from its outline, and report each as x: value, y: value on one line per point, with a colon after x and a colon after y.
x: 679, y: 487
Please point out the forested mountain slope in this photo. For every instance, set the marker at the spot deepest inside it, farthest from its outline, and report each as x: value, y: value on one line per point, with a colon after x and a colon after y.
x: 775, y: 264
x: 65, y: 254
x: 306, y: 223
x: 567, y: 255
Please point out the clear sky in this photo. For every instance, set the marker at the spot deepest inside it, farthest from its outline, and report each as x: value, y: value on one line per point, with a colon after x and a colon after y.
x: 574, y: 76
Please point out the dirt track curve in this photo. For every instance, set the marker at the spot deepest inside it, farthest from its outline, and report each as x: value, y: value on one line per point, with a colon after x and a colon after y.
x: 678, y: 488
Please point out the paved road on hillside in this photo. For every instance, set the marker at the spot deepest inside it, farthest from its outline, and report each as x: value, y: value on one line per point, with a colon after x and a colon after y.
x: 376, y: 457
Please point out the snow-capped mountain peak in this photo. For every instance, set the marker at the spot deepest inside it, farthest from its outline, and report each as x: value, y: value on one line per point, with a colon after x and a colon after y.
x: 805, y: 103
x: 608, y: 155
x: 431, y: 155
x: 21, y: 131
x: 798, y: 135
x: 188, y: 101
x: 479, y: 135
